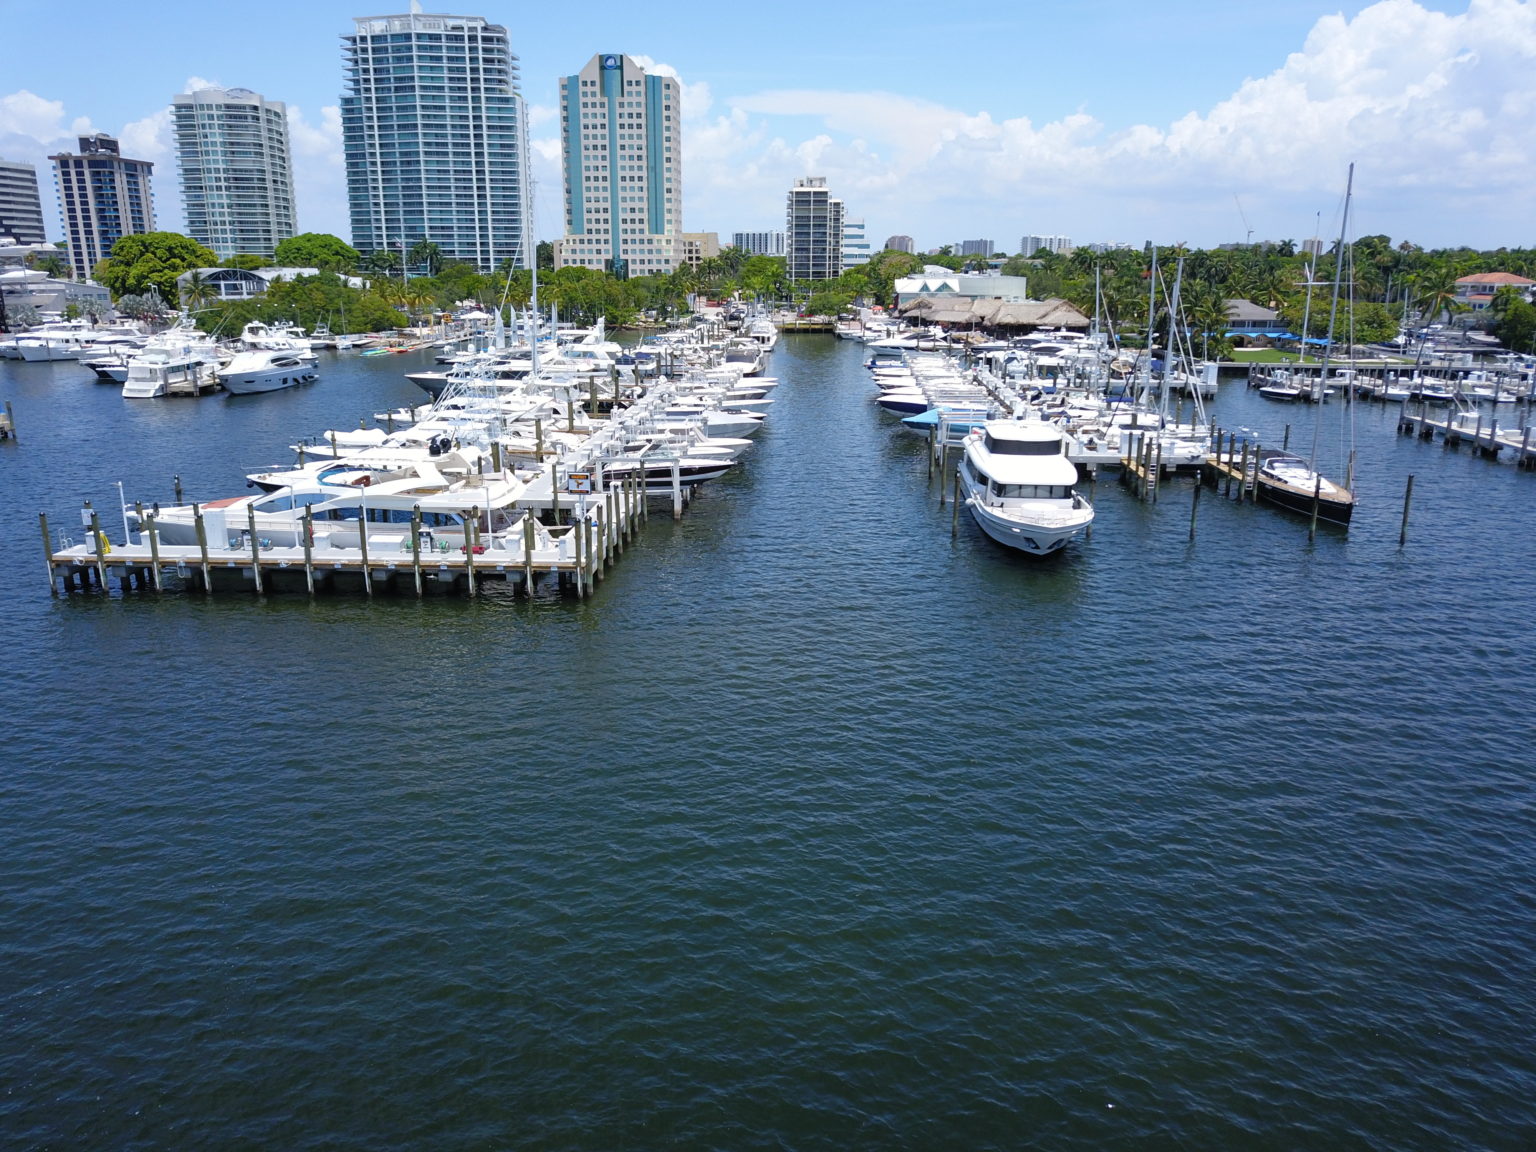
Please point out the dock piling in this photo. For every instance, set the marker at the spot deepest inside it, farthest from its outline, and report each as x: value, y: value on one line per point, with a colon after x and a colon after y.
x: 255, y: 548
x: 42, y: 521
x: 1402, y: 535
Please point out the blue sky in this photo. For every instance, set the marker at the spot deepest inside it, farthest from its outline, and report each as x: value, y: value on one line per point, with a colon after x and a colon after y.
x: 1103, y: 120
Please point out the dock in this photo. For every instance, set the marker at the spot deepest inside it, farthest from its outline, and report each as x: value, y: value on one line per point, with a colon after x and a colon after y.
x: 573, y: 556
x: 1481, y: 432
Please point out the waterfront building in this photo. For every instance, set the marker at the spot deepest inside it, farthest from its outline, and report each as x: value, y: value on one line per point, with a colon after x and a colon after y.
x: 103, y: 196
x: 25, y: 288
x: 245, y: 283
x: 1477, y: 291
x: 1056, y: 245
x: 759, y: 243
x: 975, y: 248
x: 815, y: 231
x: 236, y: 170
x: 900, y: 244
x: 699, y: 247
x: 21, y: 204
x: 855, y: 244
x: 1100, y: 247
x: 622, y: 151
x: 435, y: 138
x: 939, y: 282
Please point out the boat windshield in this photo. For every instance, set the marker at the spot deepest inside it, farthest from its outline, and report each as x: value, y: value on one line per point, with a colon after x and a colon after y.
x: 1023, y: 447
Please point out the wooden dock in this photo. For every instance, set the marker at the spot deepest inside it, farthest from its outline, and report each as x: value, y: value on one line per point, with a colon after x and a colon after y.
x: 392, y: 558
x: 1485, y: 436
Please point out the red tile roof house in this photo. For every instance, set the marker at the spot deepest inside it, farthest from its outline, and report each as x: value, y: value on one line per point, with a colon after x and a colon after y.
x: 1477, y: 291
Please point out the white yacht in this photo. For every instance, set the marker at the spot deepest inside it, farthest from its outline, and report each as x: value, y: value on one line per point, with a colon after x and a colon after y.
x: 258, y: 336
x: 1018, y: 485
x: 178, y: 360
x: 265, y: 370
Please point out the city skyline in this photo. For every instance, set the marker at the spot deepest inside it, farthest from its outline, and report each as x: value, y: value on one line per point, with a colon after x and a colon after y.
x: 1191, y: 123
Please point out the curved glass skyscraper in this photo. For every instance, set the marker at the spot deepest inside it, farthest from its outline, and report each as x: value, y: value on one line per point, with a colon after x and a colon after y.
x: 436, y: 140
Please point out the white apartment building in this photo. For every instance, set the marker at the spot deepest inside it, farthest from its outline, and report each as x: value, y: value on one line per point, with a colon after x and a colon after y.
x: 236, y: 170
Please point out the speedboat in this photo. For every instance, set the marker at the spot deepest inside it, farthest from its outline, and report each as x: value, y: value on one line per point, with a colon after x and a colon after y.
x: 1018, y: 484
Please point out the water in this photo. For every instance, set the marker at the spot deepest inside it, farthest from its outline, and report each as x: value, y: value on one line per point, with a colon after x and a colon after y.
x: 814, y: 829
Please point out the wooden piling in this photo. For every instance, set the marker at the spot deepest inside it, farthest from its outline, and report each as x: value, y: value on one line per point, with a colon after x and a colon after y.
x: 255, y: 548
x: 416, y: 546
x: 309, y: 549
x: 362, y: 546
x: 1242, y: 476
x: 1285, y: 441
x: 1194, y: 511
x: 9, y: 429
x: 150, y: 528
x: 471, y: 535
x: 42, y: 522
x: 1317, y: 501
x: 176, y: 483
x: 202, y: 545
x: 677, y: 490
x: 1402, y: 535
x: 528, y: 534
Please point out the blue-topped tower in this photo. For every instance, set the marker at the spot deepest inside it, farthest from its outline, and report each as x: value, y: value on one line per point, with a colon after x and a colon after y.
x: 622, y: 149
x: 435, y: 136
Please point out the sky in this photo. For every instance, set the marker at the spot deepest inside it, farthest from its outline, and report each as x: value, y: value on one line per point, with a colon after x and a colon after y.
x: 1187, y: 121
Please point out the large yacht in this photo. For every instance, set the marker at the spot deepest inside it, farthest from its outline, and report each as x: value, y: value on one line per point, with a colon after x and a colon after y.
x: 1018, y: 484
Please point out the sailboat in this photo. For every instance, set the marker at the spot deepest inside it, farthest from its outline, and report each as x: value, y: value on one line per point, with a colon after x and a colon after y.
x: 1289, y: 480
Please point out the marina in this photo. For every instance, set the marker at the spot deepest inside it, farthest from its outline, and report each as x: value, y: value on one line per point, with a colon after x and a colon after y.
x: 695, y: 829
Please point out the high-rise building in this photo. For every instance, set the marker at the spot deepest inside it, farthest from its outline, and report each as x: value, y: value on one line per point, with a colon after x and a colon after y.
x: 622, y: 148
x: 236, y: 170
x: 103, y: 197
x: 855, y: 244
x: 975, y: 248
x: 1057, y: 245
x: 435, y: 137
x: 899, y: 244
x: 21, y: 204
x: 815, y: 231
x: 759, y: 243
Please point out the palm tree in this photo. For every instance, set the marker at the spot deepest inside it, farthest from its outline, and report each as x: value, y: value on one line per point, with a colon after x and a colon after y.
x: 1434, y: 290
x: 197, y: 292
x: 426, y: 253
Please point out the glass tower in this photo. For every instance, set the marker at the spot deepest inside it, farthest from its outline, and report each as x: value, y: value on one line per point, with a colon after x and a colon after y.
x: 435, y: 139
x: 236, y: 170
x: 103, y: 196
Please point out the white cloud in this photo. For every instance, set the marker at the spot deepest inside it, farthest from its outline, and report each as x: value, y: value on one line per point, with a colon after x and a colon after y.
x: 153, y: 138
x: 1433, y: 108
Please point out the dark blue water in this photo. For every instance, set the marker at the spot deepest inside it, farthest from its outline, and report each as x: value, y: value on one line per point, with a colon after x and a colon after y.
x: 814, y: 829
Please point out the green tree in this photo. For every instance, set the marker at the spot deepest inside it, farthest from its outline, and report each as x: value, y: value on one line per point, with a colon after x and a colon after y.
x: 151, y: 261
x: 1515, y: 324
x: 249, y: 261
x: 317, y: 250
x: 425, y: 254
x: 381, y: 261
x: 196, y: 291
x: 140, y: 306
x: 544, y: 255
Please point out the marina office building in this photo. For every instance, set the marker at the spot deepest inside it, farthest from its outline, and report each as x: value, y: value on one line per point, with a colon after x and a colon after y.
x: 236, y: 170
x: 435, y: 139
x: 103, y: 196
x: 621, y: 144
x: 815, y: 231
x: 21, y: 204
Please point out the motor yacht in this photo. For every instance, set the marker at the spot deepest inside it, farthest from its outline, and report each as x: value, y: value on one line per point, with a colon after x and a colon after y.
x: 1018, y: 484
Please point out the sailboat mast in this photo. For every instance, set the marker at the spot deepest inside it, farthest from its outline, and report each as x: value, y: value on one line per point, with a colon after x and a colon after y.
x: 1333, y: 310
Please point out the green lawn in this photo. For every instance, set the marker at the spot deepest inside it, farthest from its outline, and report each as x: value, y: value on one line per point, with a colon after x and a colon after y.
x: 1268, y: 356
